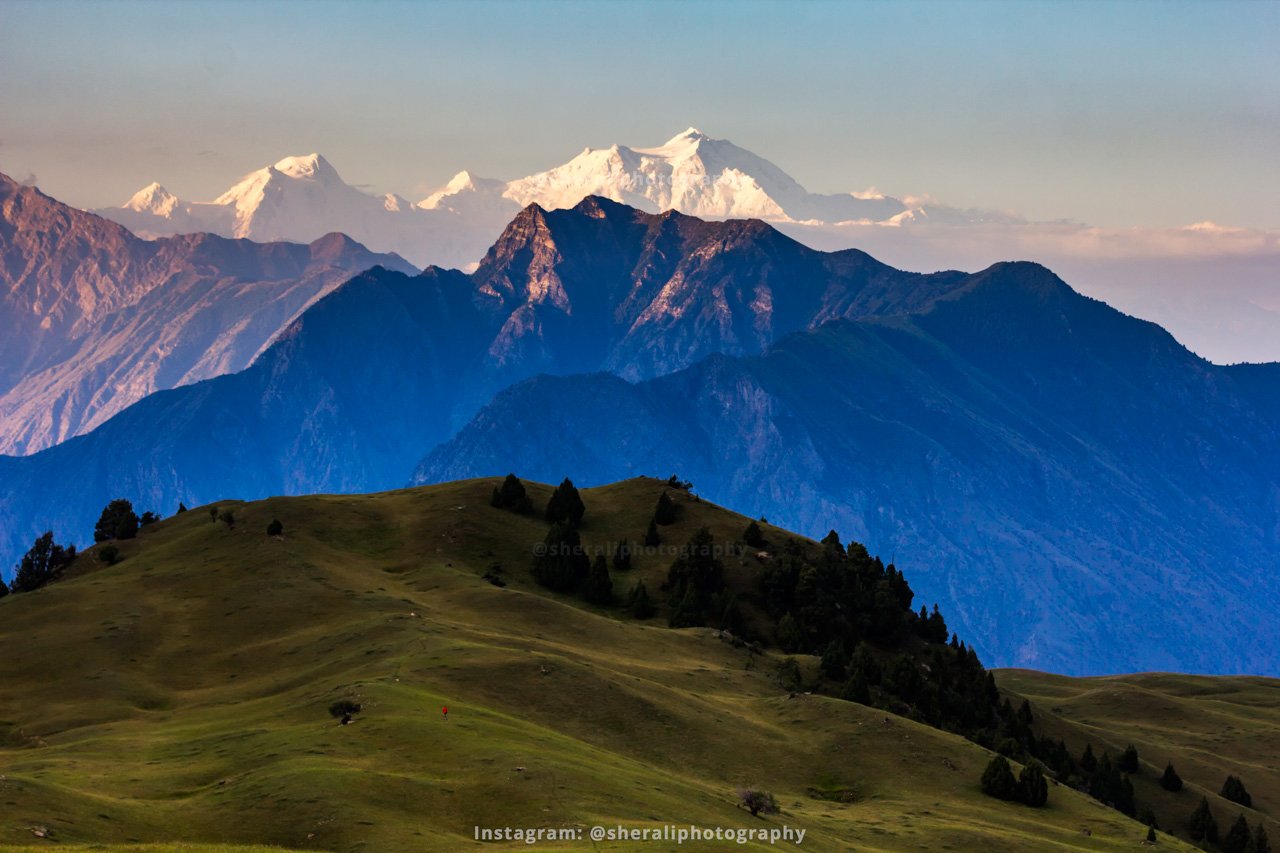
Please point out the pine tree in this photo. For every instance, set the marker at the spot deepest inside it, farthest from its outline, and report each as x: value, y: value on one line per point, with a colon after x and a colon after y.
x: 181, y: 507
x: 753, y: 536
x: 117, y: 521
x: 639, y: 605
x: 599, y: 587
x: 1128, y: 760
x: 685, y: 612
x: 665, y: 512
x: 41, y: 564
x: 789, y: 638
x: 651, y: 537
x: 622, y: 556
x: 834, y: 658
x: 1171, y: 781
x: 856, y: 689
x: 1259, y: 843
x: 1237, y: 837
x: 1233, y: 789
x: 1202, y: 826
x: 998, y: 780
x: 566, y: 505
x: 1087, y: 762
x: 562, y: 564
x: 864, y: 662
x: 511, y: 495
x: 1033, y: 788
x: 1151, y: 835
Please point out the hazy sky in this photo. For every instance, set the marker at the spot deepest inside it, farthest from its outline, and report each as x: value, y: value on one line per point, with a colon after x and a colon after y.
x: 1139, y: 113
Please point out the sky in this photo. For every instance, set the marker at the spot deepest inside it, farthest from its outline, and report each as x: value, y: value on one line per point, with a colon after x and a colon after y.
x: 1114, y: 114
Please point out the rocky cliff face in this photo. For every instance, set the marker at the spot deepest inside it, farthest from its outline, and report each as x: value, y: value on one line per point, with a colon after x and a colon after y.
x: 96, y: 319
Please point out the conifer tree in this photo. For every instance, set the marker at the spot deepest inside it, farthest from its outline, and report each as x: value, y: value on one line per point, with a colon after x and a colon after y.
x: 181, y: 507
x: 640, y: 606
x: 754, y: 536
x: 1033, y: 788
x: 622, y: 556
x: 856, y: 689
x: 1171, y: 781
x: 1128, y: 760
x: 651, y: 537
x: 275, y: 528
x: 1259, y: 843
x: 1087, y: 761
x: 511, y: 495
x: 562, y: 564
x: 117, y: 521
x: 41, y: 564
x: 834, y: 658
x: 599, y: 587
x: 1238, y: 836
x: 1202, y: 826
x: 665, y: 512
x: 1233, y: 789
x: 685, y: 612
x: 998, y: 780
x: 864, y: 662
x: 566, y: 505
x: 789, y: 638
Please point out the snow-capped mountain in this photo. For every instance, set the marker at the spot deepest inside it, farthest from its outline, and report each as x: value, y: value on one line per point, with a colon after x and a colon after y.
x: 697, y: 175
x: 303, y: 197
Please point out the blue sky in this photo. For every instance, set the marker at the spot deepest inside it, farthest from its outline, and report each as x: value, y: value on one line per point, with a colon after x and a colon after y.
x: 1139, y: 113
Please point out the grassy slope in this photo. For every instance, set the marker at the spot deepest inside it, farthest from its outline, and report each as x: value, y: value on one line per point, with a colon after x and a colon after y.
x: 1208, y: 727
x: 182, y: 695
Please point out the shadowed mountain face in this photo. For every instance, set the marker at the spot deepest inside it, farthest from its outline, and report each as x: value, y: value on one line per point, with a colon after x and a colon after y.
x: 380, y: 371
x: 1080, y: 492
x: 95, y: 318
x: 1075, y: 488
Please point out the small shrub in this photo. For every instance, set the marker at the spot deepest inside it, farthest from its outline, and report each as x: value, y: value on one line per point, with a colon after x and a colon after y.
x: 344, y: 709
x: 757, y: 801
x: 227, y: 517
x: 275, y: 528
x: 109, y: 554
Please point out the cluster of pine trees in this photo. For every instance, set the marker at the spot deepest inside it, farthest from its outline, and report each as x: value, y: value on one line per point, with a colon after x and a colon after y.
x: 46, y: 559
x: 1202, y: 828
x: 1029, y: 788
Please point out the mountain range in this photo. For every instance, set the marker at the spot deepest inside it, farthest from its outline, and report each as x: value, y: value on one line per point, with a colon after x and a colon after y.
x: 1067, y: 482
x: 301, y: 198
x: 96, y: 318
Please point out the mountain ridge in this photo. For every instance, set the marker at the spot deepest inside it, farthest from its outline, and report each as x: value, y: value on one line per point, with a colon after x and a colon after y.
x: 96, y: 318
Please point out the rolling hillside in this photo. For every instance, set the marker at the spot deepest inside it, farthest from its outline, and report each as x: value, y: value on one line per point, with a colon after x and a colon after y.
x: 192, y: 680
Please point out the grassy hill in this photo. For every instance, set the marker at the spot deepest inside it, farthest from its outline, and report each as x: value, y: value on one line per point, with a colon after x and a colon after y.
x: 1208, y: 727
x: 181, y: 695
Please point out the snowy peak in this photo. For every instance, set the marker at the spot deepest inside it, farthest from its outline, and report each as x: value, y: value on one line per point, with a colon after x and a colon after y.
x: 312, y: 166
x: 154, y: 199
x: 696, y: 174
x: 461, y: 186
x: 302, y: 197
